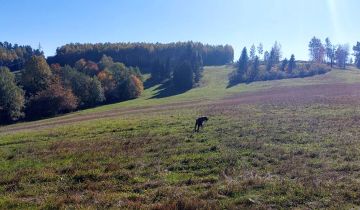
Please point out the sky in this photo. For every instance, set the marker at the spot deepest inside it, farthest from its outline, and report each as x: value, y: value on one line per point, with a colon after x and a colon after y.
x: 53, y: 23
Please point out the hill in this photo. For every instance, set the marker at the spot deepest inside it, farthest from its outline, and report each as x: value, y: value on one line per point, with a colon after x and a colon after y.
x: 274, y: 144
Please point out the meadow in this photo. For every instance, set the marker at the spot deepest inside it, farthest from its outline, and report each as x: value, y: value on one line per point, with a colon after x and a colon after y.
x: 282, y: 144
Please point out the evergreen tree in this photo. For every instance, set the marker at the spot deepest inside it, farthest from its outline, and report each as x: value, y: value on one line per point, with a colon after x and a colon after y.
x: 342, y: 56
x: 291, y: 64
x: 284, y: 64
x: 329, y: 49
x: 243, y: 63
x: 252, y: 52
x: 276, y: 53
x: 271, y: 60
x: 183, y: 78
x: 266, y: 56
x: 254, y: 70
x: 157, y: 70
x: 260, y: 49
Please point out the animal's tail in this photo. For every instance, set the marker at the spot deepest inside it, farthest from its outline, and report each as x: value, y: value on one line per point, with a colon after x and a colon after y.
x: 195, y: 127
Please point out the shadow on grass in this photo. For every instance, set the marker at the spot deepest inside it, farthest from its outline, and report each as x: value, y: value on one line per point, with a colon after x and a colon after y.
x: 232, y: 84
x: 150, y: 83
x: 167, y: 89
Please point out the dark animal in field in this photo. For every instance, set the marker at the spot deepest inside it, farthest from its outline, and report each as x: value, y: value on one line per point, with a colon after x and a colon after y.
x: 199, y: 123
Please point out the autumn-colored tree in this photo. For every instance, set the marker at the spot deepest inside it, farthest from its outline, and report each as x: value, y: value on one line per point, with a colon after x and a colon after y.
x: 137, y: 87
x: 55, y: 68
x: 54, y: 100
x: 36, y: 75
x: 107, y: 82
x: 80, y: 64
x: 87, y: 89
x: 11, y: 97
x: 88, y: 67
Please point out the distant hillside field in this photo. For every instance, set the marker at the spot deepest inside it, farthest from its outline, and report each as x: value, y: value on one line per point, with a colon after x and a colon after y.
x: 280, y: 144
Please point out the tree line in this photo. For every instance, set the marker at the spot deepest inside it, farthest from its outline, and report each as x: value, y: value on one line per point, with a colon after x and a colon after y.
x: 329, y: 53
x: 143, y: 55
x: 334, y: 55
x: 40, y: 90
x: 15, y: 56
x: 260, y: 65
x: 180, y: 62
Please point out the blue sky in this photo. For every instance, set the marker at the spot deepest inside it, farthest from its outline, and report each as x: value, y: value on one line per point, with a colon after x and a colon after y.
x: 236, y: 22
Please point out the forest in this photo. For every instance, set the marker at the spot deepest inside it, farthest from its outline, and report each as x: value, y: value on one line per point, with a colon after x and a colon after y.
x: 86, y: 75
x: 80, y: 76
x: 15, y: 56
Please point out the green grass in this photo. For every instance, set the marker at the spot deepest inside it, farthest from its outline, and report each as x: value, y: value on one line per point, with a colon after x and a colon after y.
x: 298, y: 154
x: 214, y: 86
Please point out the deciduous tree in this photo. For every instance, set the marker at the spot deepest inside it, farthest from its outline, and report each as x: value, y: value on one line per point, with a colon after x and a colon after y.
x: 329, y: 49
x: 317, y: 50
x: 356, y: 49
x: 54, y: 100
x: 11, y: 97
x: 36, y: 75
x: 342, y: 56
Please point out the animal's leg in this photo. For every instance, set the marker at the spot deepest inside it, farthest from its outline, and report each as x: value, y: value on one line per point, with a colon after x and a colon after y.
x: 200, y: 126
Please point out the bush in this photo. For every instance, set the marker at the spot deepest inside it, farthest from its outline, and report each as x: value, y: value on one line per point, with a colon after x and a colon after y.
x: 302, y: 70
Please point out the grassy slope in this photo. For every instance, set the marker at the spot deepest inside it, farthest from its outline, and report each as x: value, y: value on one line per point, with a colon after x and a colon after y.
x: 212, y: 87
x: 294, y: 154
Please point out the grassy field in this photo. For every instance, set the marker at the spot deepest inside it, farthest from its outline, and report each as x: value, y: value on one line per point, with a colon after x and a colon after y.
x: 276, y: 144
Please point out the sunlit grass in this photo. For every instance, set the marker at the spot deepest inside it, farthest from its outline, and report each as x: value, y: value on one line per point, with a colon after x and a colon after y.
x: 285, y: 154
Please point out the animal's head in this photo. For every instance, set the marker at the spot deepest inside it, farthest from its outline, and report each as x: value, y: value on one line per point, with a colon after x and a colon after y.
x: 206, y: 118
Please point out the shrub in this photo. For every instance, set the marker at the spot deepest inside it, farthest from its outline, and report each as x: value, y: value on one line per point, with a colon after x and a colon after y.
x: 302, y: 70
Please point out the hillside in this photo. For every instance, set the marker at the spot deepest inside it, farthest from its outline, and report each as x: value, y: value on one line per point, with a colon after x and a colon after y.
x: 274, y: 144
